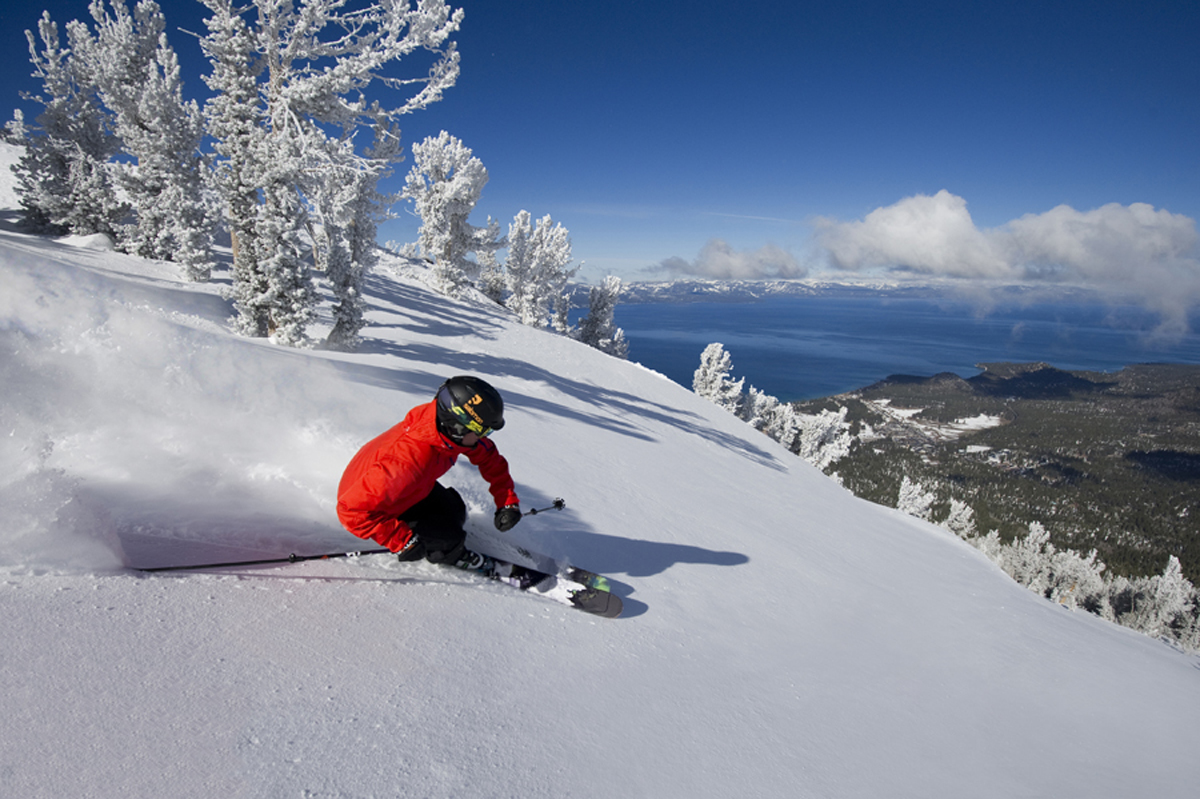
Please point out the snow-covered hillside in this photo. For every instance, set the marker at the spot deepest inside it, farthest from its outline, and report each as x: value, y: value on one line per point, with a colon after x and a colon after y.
x: 781, y: 637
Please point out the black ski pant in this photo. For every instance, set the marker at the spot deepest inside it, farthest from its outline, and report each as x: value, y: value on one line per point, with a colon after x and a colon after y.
x: 438, y: 522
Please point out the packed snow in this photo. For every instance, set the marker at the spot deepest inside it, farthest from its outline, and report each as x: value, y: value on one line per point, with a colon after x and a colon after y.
x: 781, y: 637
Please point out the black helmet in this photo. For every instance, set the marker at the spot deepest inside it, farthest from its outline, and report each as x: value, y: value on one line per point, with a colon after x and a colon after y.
x: 468, y: 405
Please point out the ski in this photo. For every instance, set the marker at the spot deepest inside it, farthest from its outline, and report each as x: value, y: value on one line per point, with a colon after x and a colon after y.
x: 562, y: 588
x: 502, y: 549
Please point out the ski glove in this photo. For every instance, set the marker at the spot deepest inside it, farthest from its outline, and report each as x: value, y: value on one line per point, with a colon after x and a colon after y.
x: 413, y: 550
x: 507, y: 518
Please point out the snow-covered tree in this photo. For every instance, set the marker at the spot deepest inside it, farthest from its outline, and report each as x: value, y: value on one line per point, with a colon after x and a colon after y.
x: 1174, y: 593
x: 784, y: 426
x: 347, y: 207
x: 289, y: 297
x: 290, y: 81
x: 444, y: 184
x: 1028, y: 559
x: 560, y: 304
x: 64, y: 177
x: 138, y: 77
x: 759, y: 409
x: 823, y: 438
x: 517, y: 263
x: 492, y: 280
x: 1062, y: 576
x: 1163, y: 604
x: 961, y: 520
x: 1076, y: 580
x: 537, y: 271
x: 235, y: 121
x: 914, y: 499
x: 597, y: 328
x: 15, y: 130
x: 712, y: 380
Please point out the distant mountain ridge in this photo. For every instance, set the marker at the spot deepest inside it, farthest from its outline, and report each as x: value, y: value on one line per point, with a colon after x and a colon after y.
x: 698, y: 290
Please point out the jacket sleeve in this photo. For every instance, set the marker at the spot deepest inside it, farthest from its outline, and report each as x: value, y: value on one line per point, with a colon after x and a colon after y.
x: 494, y: 468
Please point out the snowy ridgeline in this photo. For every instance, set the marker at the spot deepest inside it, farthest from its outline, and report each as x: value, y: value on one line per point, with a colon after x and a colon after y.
x: 1163, y: 606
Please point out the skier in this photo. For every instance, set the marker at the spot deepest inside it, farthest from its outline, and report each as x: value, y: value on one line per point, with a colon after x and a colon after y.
x: 390, y: 491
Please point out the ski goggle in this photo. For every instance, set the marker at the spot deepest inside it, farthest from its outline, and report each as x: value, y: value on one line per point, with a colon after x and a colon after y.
x: 465, y: 414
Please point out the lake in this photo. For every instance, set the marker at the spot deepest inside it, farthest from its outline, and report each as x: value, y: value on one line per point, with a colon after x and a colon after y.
x: 799, y: 348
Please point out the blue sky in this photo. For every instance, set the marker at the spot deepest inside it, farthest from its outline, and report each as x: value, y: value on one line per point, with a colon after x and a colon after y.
x: 793, y: 137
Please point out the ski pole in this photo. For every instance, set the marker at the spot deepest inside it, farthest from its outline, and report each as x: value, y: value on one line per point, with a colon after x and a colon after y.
x: 559, y: 504
x: 293, y: 558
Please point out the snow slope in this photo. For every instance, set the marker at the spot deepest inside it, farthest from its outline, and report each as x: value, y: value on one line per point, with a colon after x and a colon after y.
x: 782, y: 638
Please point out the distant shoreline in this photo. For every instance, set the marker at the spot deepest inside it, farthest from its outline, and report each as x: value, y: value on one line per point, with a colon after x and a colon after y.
x: 807, y: 346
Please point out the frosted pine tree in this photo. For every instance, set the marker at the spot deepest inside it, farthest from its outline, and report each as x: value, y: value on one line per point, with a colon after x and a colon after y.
x: 823, y: 438
x: 758, y: 409
x: 64, y: 178
x: 518, y: 264
x: 488, y: 241
x: 553, y: 258
x: 961, y: 520
x: 1029, y: 560
x: 492, y: 281
x: 138, y: 77
x: 289, y: 296
x: 597, y: 329
x: 311, y: 63
x: 712, y: 380
x: 914, y: 499
x: 783, y: 425
x: 444, y: 185
x: 1166, y: 604
x: 235, y: 122
x: 359, y: 217
x: 1063, y: 576
x: 537, y: 270
x: 1076, y: 580
x: 15, y: 130
x: 347, y: 207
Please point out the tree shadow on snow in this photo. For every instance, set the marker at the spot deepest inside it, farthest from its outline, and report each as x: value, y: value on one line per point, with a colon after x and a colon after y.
x: 624, y: 409
x: 419, y: 312
x: 398, y: 306
x: 11, y: 221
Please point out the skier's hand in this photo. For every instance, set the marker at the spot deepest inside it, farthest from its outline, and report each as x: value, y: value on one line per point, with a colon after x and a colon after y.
x: 413, y: 550
x: 507, y: 518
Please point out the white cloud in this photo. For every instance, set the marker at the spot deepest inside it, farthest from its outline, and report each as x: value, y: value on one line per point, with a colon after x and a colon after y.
x: 931, y: 235
x: 1131, y: 249
x: 717, y: 259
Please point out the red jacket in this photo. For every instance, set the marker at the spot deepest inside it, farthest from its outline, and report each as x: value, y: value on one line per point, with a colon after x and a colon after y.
x: 398, y: 469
